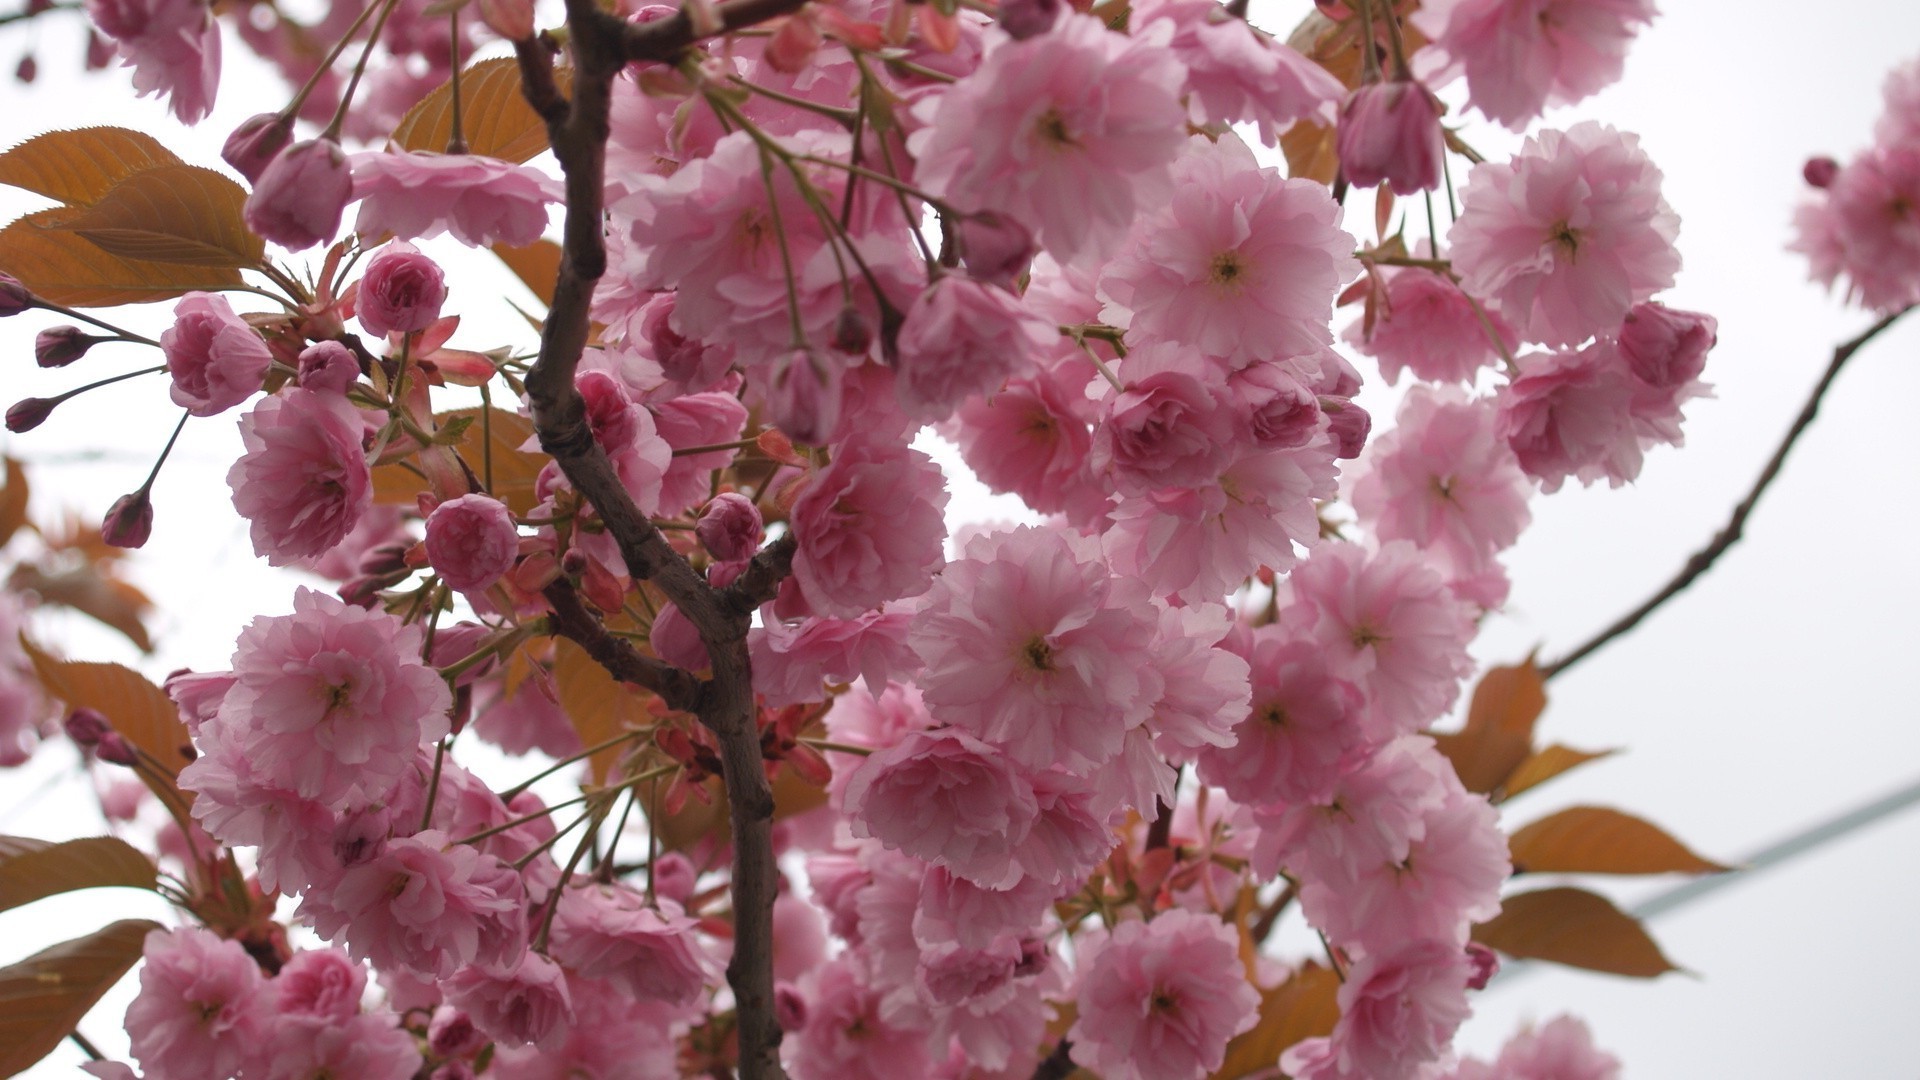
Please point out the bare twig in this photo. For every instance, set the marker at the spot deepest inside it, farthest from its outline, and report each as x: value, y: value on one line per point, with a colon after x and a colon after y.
x: 1057, y: 1065
x: 664, y: 39
x: 678, y: 689
x: 1731, y: 533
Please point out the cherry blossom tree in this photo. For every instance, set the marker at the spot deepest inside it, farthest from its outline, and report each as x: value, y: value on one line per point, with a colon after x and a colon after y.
x: 852, y: 789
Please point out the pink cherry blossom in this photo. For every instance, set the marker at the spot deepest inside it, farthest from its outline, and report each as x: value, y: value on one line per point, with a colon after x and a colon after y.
x: 324, y: 984
x: 1236, y: 73
x: 471, y: 541
x: 1900, y: 123
x: 1069, y: 132
x: 1160, y: 1000
x: 1034, y: 646
x: 846, y: 1037
x: 426, y: 904
x: 689, y: 421
x: 173, y: 47
x: 1426, y: 325
x: 215, y: 359
x: 1031, y: 439
x: 304, y: 480
x: 298, y: 200
x: 1560, y: 1049
x: 532, y: 1004
x: 401, y: 292
x: 948, y: 798
x: 1520, y: 57
x: 961, y: 339
x: 792, y: 664
x: 1240, y: 264
x: 649, y: 951
x: 481, y: 200
x: 366, y: 1047
x: 1172, y: 425
x: 1390, y: 132
x: 1302, y: 732
x: 1867, y: 228
x: 1568, y: 235
x: 1569, y: 414
x: 200, y: 1010
x: 869, y: 528
x: 1666, y: 347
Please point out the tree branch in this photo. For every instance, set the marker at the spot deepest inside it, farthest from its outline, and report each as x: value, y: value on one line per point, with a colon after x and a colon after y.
x: 1736, y: 525
x: 678, y: 688
x: 1057, y: 1065
x: 577, y: 131
x: 664, y: 39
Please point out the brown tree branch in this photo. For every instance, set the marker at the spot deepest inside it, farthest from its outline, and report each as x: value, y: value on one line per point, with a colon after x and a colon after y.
x: 1057, y: 1065
x: 664, y: 39
x: 679, y: 689
x: 577, y: 131
x: 1736, y: 525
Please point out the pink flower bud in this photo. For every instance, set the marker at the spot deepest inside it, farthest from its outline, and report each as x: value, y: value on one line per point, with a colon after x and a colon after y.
x: 61, y: 345
x: 1666, y: 347
x: 28, y: 69
x: 803, y: 397
x: 674, y: 876
x: 676, y: 641
x: 472, y: 542
x: 87, y: 726
x: 14, y: 297
x: 329, y: 366
x: 256, y: 142
x: 129, y: 521
x: 100, y: 51
x: 451, y: 1033
x: 115, y: 750
x: 995, y: 248
x: 1391, y: 131
x: 511, y: 19
x: 1348, y: 423
x: 298, y: 200
x: 402, y: 291
x: 852, y: 331
x: 215, y: 358
x: 789, y: 1007
x: 1820, y: 172
x: 792, y: 46
x: 1485, y: 964
x: 730, y: 527
x: 1022, y: 19
x: 29, y: 413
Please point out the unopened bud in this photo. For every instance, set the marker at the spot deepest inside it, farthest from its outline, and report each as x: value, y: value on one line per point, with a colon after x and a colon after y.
x: 730, y: 527
x: 116, y: 750
x: 14, y: 297
x: 852, y: 331
x: 995, y: 248
x: 1820, y: 171
x: 99, y: 51
x: 1390, y: 132
x: 29, y: 413
x: 256, y: 142
x: 61, y: 345
x: 328, y: 365
x: 1484, y: 964
x: 511, y: 19
x: 298, y: 200
x: 28, y: 69
x: 803, y: 397
x: 573, y: 563
x: 87, y: 726
x: 789, y: 1007
x: 1022, y: 19
x: 674, y: 876
x: 451, y: 1033
x: 1348, y: 423
x: 129, y: 521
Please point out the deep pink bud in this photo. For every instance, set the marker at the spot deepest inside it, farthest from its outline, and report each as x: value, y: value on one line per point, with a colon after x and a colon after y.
x: 574, y: 563
x: 1348, y: 423
x: 852, y: 331
x: 803, y: 397
x: 1666, y: 347
x: 792, y: 46
x: 674, y: 876
x: 789, y: 1007
x: 451, y: 1033
x: 1022, y: 19
x: 472, y: 542
x: 87, y: 726
x: 402, y: 292
x: 100, y: 51
x: 996, y: 249
x: 29, y: 413
x: 676, y: 641
x: 298, y: 200
x: 115, y: 750
x: 1391, y: 131
x: 256, y: 142
x: 129, y: 521
x: 1485, y: 965
x: 14, y: 297
x: 1820, y: 171
x: 28, y: 69
x: 328, y: 365
x: 61, y: 345
x: 730, y: 527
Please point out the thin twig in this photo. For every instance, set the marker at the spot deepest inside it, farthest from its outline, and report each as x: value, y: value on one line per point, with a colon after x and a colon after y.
x: 1736, y: 524
x: 1057, y: 1065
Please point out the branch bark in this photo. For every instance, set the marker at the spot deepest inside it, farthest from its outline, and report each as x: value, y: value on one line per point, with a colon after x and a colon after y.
x: 602, y: 45
x: 1735, y: 528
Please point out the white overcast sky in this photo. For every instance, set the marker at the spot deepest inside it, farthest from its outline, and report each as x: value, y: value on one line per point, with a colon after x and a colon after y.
x: 1779, y: 691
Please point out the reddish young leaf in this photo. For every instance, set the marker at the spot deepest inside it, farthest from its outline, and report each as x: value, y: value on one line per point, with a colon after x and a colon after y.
x: 1498, y: 735
x: 78, y: 167
x: 172, y: 214
x: 1576, y: 928
x: 1595, y: 840
x: 89, y: 863
x: 1301, y: 1008
x: 1546, y: 763
x: 45, y: 995
x: 498, y: 121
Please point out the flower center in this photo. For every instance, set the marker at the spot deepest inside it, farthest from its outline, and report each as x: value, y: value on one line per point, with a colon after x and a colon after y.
x: 1564, y: 236
x: 1052, y: 128
x: 1037, y: 654
x: 1227, y: 269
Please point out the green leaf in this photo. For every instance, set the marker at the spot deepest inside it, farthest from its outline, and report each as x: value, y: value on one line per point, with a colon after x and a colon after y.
x: 94, y: 862
x: 44, y: 996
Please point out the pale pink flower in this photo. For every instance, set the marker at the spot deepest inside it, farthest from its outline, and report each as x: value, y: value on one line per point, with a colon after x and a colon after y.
x: 1570, y: 414
x: 333, y: 698
x: 532, y: 1004
x: 1519, y: 56
x: 1207, y: 683
x: 846, y: 1036
x: 1426, y: 325
x: 324, y: 984
x: 1238, y: 74
x: 951, y: 908
x: 612, y: 1035
x: 304, y: 481
x: 1445, y: 480
x: 173, y: 47
x: 1900, y: 123
x: 1390, y: 132
x: 471, y: 541
x: 1283, y: 412
x: 949, y: 974
x: 366, y: 1047
x: 792, y: 664
x: 425, y: 904
x: 481, y: 200
x: 1398, y: 1012
x: 401, y: 292
x: 1070, y: 833
x: 869, y: 527
x: 239, y: 806
x: 1171, y: 425
x: 947, y: 798
x: 688, y: 421
x: 1240, y: 263
x: 1666, y: 347
x: 962, y: 339
x: 215, y: 359
x: 1389, y: 626
x: 1568, y: 235
x: 626, y: 431
x: 1301, y: 734
x: 1030, y: 439
x: 1033, y: 645
x: 298, y: 200
x: 1069, y: 132
x: 1160, y: 1000
x: 650, y: 952
x: 1560, y: 1049
x: 1868, y: 228
x: 200, y: 1010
